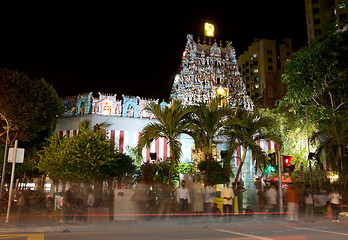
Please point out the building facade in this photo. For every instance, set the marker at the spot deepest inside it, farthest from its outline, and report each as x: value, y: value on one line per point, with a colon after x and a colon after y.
x: 123, y: 121
x: 324, y: 16
x: 261, y: 67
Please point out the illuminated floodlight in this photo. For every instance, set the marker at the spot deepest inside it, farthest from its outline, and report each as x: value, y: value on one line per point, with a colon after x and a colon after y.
x: 209, y: 30
x: 221, y: 91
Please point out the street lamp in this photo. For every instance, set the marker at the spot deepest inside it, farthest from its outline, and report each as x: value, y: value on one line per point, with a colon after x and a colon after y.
x: 5, y: 157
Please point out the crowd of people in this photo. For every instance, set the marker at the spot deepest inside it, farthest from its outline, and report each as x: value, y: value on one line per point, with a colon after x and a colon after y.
x: 292, y: 198
x: 268, y: 202
x: 193, y: 200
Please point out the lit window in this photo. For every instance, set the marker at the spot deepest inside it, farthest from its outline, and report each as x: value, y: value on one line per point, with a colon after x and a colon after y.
x: 256, y: 70
x: 257, y: 86
x: 251, y: 58
x: 317, y: 32
x: 341, y: 5
x: 255, y: 55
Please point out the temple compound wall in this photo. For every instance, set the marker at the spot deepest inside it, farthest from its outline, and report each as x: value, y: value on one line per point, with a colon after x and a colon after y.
x: 123, y: 120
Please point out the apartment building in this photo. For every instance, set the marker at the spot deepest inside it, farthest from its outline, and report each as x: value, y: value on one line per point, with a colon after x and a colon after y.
x: 261, y: 67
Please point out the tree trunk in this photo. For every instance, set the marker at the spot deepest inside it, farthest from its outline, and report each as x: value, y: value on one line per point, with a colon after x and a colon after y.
x: 239, y: 168
x: 172, y: 160
x: 209, y: 158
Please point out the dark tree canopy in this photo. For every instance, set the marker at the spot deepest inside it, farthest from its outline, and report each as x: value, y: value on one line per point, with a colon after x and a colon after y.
x: 30, y: 105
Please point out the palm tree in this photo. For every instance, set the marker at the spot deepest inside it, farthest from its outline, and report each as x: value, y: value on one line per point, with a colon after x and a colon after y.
x: 333, y: 140
x: 206, y: 125
x: 171, y: 124
x: 244, y: 128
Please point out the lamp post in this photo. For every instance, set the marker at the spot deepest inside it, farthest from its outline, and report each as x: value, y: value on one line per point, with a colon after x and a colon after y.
x: 309, y: 160
x: 5, y: 157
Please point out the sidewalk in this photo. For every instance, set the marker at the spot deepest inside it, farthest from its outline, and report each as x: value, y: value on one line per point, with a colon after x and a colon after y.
x: 35, y: 223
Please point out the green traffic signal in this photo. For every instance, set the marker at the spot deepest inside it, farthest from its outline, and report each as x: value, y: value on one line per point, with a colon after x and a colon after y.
x: 271, y: 168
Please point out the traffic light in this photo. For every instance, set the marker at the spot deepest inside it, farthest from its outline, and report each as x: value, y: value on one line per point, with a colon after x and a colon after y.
x: 287, y: 166
x: 273, y: 159
x: 273, y: 167
x: 270, y: 168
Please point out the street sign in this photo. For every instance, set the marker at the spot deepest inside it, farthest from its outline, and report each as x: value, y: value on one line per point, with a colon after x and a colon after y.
x: 19, y: 155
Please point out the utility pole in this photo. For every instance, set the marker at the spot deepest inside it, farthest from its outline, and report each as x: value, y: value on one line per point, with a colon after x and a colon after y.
x: 12, y: 178
x: 280, y: 183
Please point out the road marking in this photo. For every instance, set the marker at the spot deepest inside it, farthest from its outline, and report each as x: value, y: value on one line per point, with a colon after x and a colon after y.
x: 324, y: 231
x: 243, y: 234
x: 36, y: 236
x: 8, y: 236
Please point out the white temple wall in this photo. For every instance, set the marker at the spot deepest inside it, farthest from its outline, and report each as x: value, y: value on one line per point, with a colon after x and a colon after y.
x: 126, y: 132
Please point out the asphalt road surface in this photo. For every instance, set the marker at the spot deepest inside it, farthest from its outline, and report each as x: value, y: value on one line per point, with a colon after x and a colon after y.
x: 240, y: 228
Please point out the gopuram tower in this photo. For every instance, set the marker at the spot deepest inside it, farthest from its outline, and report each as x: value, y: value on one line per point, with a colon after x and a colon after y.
x: 208, y: 70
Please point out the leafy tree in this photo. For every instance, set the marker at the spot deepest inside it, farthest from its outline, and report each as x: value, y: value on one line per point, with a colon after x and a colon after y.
x: 134, y: 154
x: 333, y: 141
x: 171, y: 123
x: 54, y: 156
x: 244, y: 128
x: 31, y: 106
x: 119, y: 166
x: 152, y: 172
x: 181, y: 168
x: 292, y: 132
x: 317, y: 78
x: 217, y: 174
x: 206, y: 125
x: 84, y: 157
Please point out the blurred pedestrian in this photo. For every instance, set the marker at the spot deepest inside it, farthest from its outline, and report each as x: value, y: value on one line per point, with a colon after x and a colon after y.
x: 271, y: 196
x: 260, y: 199
x: 227, y: 196
x: 68, y: 205
x: 183, y: 198
x: 335, y: 201
x: 292, y: 199
x: 4, y: 201
x: 209, y: 192
x: 197, y: 192
x: 216, y: 210
x: 91, y: 199
x: 166, y: 192
x: 141, y: 196
x: 308, y: 199
x: 240, y: 189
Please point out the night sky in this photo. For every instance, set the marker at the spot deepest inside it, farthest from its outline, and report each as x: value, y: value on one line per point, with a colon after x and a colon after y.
x: 131, y: 48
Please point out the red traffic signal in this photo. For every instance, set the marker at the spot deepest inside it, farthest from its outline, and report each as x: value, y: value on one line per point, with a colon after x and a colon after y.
x: 287, y: 166
x: 287, y: 160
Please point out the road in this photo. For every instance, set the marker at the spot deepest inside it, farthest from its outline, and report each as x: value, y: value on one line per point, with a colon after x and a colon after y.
x: 240, y: 228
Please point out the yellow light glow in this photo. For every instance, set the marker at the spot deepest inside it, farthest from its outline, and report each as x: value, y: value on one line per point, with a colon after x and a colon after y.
x: 208, y: 30
x: 221, y: 91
